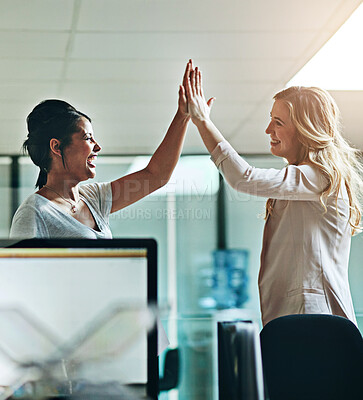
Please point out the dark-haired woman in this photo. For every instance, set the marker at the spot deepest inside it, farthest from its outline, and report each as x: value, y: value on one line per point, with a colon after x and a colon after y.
x: 62, y: 144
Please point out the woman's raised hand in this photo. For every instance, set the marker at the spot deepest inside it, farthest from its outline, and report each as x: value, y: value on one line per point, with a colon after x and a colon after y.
x: 198, y: 107
x: 182, y: 102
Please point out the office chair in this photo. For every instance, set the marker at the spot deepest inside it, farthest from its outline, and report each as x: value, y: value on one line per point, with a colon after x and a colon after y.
x: 239, y: 361
x: 312, y: 357
x: 170, y: 378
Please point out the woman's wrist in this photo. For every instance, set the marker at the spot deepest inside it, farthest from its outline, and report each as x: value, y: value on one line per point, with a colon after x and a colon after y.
x: 199, y: 122
x: 182, y: 116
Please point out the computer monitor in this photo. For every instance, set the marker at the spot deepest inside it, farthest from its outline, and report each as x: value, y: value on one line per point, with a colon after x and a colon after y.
x: 60, y: 285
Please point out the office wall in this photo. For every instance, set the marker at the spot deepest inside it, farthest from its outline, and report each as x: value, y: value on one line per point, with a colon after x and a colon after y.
x: 183, y: 219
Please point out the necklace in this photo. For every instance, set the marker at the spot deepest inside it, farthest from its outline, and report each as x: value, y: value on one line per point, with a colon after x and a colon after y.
x: 73, y: 206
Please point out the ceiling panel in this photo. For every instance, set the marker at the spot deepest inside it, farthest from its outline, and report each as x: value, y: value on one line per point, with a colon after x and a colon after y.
x: 224, y: 115
x: 204, y: 15
x: 115, y: 92
x: 126, y: 111
x: 249, y: 70
x: 141, y: 70
x: 237, y: 92
x: 274, y: 45
x: 17, y: 109
x: 121, y: 62
x: 37, y: 15
x: 34, y: 92
x: 30, y: 69
x: 129, y: 95
x: 34, y: 45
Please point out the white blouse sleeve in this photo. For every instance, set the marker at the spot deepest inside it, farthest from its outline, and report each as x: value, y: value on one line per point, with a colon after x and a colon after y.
x: 303, y: 182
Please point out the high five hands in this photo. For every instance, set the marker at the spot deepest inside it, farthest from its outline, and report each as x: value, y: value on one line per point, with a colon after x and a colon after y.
x: 198, y: 108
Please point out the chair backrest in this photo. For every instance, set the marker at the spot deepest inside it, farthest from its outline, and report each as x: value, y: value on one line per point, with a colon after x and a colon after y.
x: 239, y: 361
x: 312, y: 357
x: 170, y: 378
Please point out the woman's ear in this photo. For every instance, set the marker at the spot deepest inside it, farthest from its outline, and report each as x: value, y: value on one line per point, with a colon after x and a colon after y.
x: 54, y: 145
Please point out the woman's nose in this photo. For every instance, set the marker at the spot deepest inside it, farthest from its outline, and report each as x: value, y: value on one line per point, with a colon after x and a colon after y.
x: 269, y: 128
x: 97, y: 147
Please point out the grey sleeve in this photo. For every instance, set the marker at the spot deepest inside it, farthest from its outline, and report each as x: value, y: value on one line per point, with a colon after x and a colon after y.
x: 100, y: 196
x: 28, y: 223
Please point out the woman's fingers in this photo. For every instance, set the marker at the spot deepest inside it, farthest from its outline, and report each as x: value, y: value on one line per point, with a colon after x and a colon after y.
x: 201, y: 83
x: 192, y: 82
x: 187, y: 72
x: 197, y: 80
x: 182, y: 93
x: 210, y: 102
x: 183, y: 104
x: 187, y: 84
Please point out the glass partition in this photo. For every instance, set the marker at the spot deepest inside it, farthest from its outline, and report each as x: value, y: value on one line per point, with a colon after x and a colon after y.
x: 5, y: 195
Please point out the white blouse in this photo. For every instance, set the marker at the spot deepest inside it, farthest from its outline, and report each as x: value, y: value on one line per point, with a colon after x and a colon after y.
x: 305, y: 253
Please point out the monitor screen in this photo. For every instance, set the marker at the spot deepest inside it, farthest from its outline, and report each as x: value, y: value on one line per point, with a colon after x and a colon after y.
x: 84, y: 301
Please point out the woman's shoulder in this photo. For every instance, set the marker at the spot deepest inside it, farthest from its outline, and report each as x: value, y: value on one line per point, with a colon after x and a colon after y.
x: 33, y: 201
x: 94, y: 189
x: 309, y: 175
x: 99, y: 195
x: 31, y: 208
x: 311, y: 171
x: 28, y: 220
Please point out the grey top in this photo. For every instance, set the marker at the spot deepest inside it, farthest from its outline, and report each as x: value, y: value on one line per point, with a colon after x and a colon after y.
x: 38, y: 217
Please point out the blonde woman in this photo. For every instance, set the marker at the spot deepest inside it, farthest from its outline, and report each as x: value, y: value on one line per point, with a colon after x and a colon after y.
x: 313, y: 203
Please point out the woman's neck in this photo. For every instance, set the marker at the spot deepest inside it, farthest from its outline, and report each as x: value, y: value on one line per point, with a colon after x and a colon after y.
x: 65, y: 188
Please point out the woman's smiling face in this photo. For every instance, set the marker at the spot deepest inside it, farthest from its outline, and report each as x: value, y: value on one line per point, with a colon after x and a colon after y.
x: 80, y: 155
x: 283, y: 134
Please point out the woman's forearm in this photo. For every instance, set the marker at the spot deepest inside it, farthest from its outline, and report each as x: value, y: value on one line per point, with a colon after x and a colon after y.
x: 166, y: 156
x: 209, y: 134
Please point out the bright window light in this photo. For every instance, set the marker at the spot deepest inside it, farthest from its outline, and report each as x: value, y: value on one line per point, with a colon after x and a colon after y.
x: 338, y: 65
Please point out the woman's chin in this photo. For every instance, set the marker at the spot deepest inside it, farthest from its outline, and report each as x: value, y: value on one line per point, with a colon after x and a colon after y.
x: 92, y: 174
x: 91, y: 171
x: 274, y: 151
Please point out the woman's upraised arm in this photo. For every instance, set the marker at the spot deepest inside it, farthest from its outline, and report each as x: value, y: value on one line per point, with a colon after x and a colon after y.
x: 133, y: 187
x: 199, y: 108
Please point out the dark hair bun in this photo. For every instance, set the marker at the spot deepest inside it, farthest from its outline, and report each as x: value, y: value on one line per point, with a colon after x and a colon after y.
x: 45, y: 112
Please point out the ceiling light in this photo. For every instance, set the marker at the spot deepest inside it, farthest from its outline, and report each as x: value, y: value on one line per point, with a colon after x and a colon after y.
x: 338, y: 65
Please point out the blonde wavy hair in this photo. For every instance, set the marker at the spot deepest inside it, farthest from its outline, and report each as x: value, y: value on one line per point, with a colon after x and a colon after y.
x: 316, y: 118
